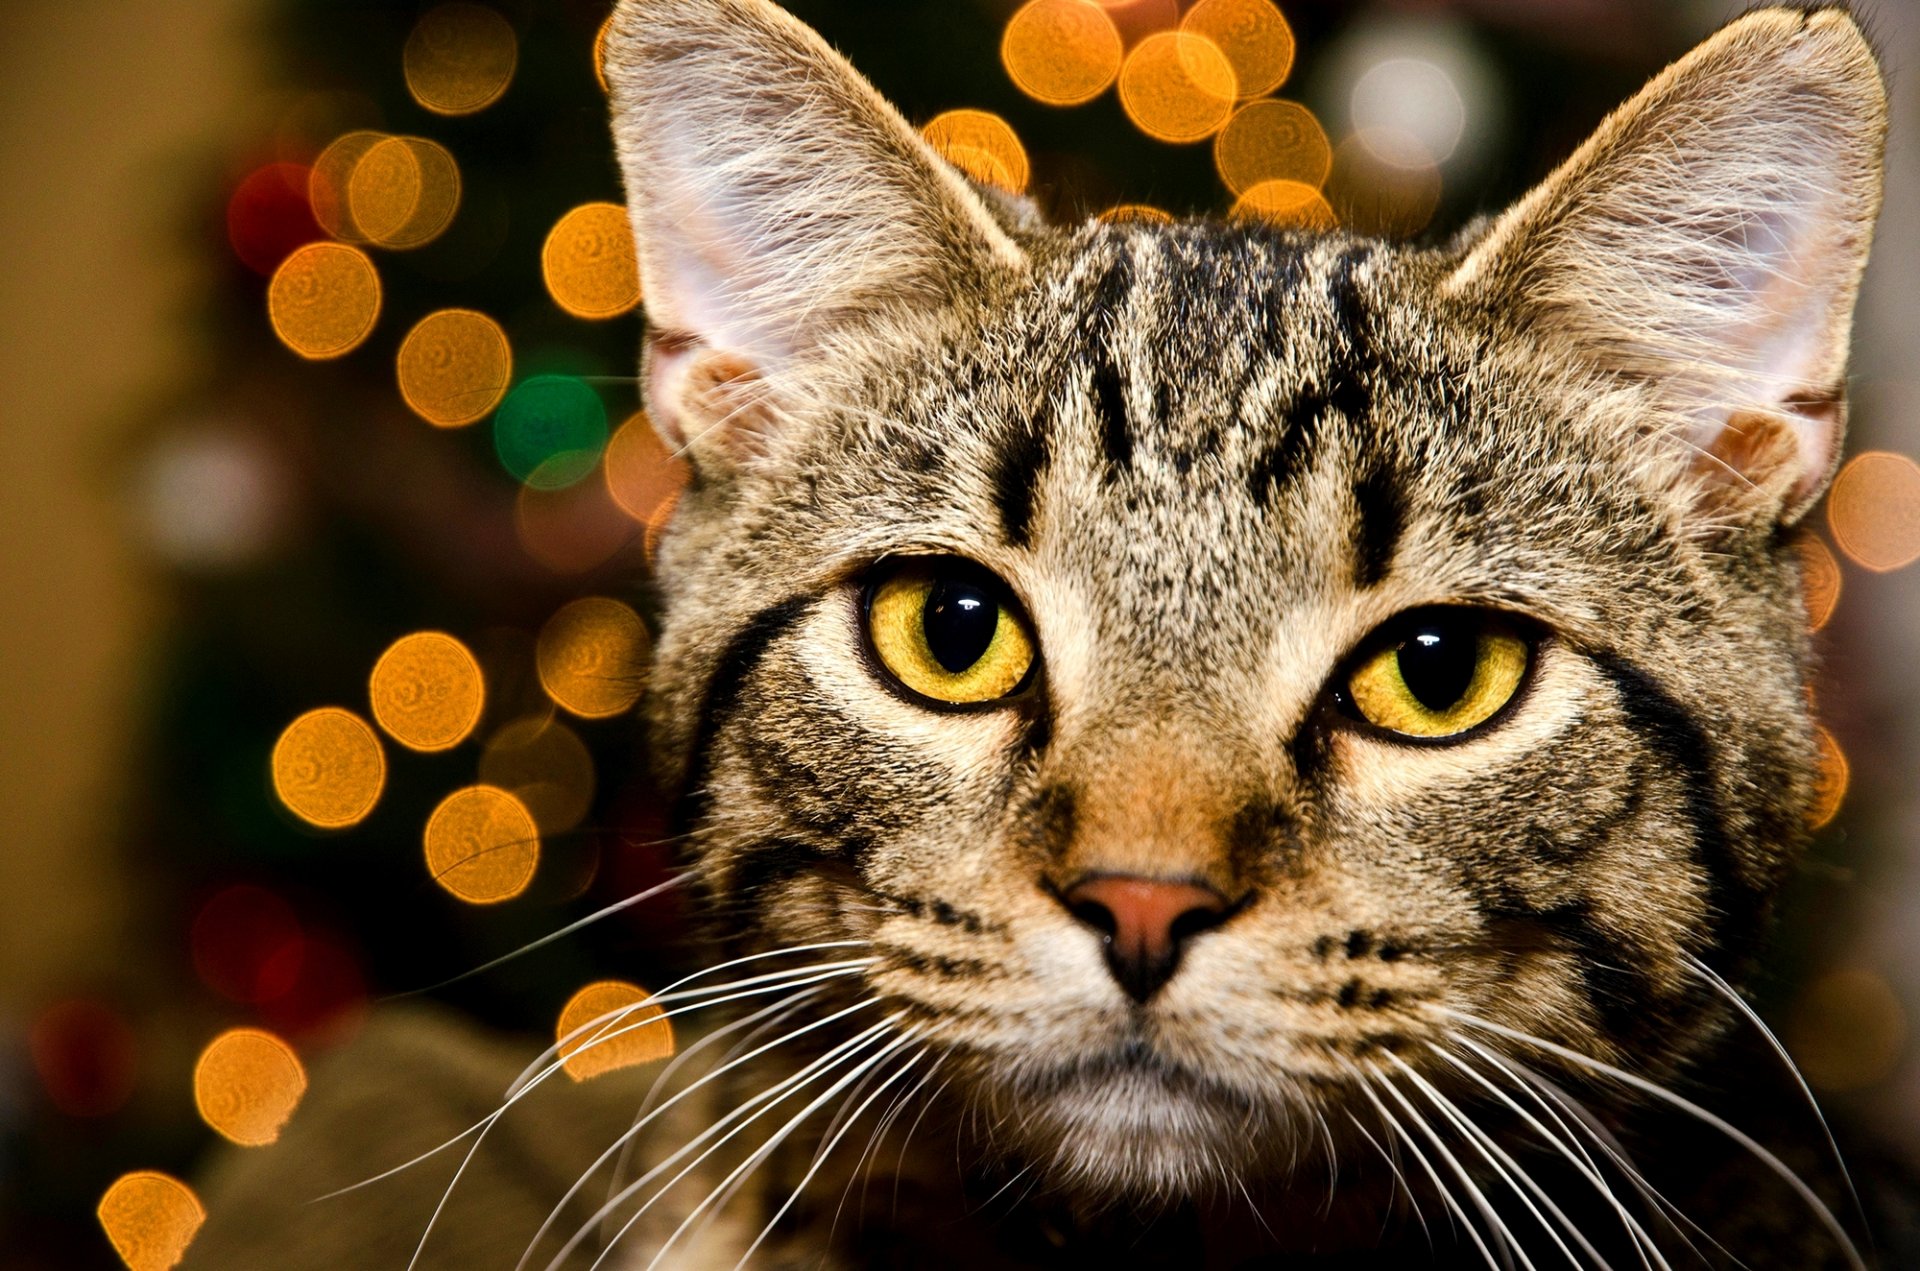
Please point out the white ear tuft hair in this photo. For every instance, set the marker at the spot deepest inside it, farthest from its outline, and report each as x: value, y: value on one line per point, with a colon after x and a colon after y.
x: 1709, y: 239
x: 780, y: 205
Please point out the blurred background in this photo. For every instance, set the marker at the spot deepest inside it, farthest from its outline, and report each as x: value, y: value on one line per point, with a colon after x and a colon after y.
x: 327, y: 507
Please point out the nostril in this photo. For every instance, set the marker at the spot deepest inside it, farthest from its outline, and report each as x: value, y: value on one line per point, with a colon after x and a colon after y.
x: 1095, y: 915
x: 1194, y: 921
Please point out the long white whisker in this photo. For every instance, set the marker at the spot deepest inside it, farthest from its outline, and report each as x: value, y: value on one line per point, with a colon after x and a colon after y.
x: 614, y: 1201
x: 765, y: 1102
x: 1400, y: 1178
x: 1713, y: 977
x: 1576, y: 1155
x: 780, y: 1136
x: 1510, y: 1247
x: 1745, y: 1140
x: 1517, y: 1179
x: 1447, y: 1197
x: 820, y: 1158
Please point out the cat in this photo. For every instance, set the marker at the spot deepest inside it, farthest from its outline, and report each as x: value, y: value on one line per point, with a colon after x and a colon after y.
x: 1226, y: 744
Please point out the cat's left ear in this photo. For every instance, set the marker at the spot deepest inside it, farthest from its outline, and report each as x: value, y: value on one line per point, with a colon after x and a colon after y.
x: 1708, y: 241
x: 787, y: 217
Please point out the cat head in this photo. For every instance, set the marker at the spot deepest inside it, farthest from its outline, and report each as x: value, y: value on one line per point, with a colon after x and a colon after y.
x: 1218, y: 668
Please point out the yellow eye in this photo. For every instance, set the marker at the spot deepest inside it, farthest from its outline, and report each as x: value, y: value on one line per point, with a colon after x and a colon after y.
x: 947, y: 633
x: 1441, y: 672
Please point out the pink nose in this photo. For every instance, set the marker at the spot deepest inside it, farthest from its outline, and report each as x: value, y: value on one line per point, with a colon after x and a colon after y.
x: 1145, y: 921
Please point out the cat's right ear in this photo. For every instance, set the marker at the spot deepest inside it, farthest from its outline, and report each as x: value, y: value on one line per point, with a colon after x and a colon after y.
x: 785, y: 215
x: 1707, y: 243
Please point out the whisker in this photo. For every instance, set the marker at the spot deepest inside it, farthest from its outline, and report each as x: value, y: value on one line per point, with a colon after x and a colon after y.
x: 1393, y: 1163
x: 1576, y: 1155
x: 1517, y: 1179
x: 1739, y: 1136
x: 1714, y: 978
x: 620, y: 1197
x: 820, y: 1158
x: 766, y: 1149
x: 1447, y: 1198
x: 1509, y: 1246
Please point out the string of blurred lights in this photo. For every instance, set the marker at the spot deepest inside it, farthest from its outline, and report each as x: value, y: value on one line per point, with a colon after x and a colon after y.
x: 314, y: 223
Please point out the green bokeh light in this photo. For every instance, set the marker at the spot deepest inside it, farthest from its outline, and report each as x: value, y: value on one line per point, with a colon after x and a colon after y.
x: 550, y: 431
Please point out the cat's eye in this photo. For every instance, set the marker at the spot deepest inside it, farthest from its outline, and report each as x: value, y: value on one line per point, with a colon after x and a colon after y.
x: 1438, y: 673
x: 949, y: 632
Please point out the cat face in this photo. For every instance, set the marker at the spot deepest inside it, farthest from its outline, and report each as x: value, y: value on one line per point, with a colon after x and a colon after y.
x: 1213, y: 668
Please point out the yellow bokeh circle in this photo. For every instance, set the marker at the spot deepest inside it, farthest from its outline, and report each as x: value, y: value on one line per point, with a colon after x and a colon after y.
x: 482, y: 845
x: 592, y: 657
x: 454, y: 367
x: 402, y: 192
x: 1177, y: 87
x: 1286, y: 203
x: 1874, y: 510
x: 460, y: 58
x: 247, y: 1084
x: 331, y: 177
x: 150, y: 1218
x: 609, y: 1025
x: 1136, y: 214
x: 1831, y: 776
x: 1272, y: 141
x: 427, y: 691
x: 1061, y: 52
x: 589, y: 264
x: 1254, y: 36
x: 982, y: 145
x: 545, y: 765
x: 328, y: 768
x: 324, y: 300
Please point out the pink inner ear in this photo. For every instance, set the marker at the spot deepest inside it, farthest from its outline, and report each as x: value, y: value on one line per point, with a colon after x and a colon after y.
x: 669, y: 357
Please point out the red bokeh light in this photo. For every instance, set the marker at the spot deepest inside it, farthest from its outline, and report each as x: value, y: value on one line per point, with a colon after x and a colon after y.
x: 86, y: 1057
x: 247, y: 944
x: 269, y: 216
x: 327, y: 1000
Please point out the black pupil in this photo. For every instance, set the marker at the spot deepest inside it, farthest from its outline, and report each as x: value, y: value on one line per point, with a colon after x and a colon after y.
x: 1437, y: 661
x: 959, y: 620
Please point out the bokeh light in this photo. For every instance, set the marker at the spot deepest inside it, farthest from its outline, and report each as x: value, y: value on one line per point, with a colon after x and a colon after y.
x: 1411, y: 98
x: 1177, y: 87
x: 403, y: 192
x: 324, y: 300
x: 1371, y: 193
x: 1847, y: 1029
x: 657, y: 525
x: 247, y: 1084
x: 1061, y: 52
x: 1137, y: 19
x: 589, y: 264
x: 331, y: 178
x: 982, y: 145
x: 482, y: 845
x: 460, y: 58
x: 600, y: 52
x: 328, y: 768
x: 545, y: 765
x: 592, y: 657
x: 641, y: 472
x: 150, y: 1218
x: 268, y: 216
x: 550, y: 430
x: 427, y: 691
x: 1873, y: 510
x: 454, y: 367
x: 1253, y: 34
x: 1272, y: 141
x: 247, y: 944
x: 86, y: 1056
x: 1819, y: 579
x: 214, y: 498
x: 1831, y: 777
x: 574, y: 529
x: 1286, y: 203
x: 1136, y: 213
x: 595, y: 1037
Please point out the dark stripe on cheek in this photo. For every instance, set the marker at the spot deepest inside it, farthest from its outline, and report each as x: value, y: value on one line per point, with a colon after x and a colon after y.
x: 729, y: 678
x: 1380, y: 514
x: 1738, y: 908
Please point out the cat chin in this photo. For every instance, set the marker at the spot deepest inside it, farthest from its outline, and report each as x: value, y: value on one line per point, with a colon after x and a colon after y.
x: 1147, y: 1135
